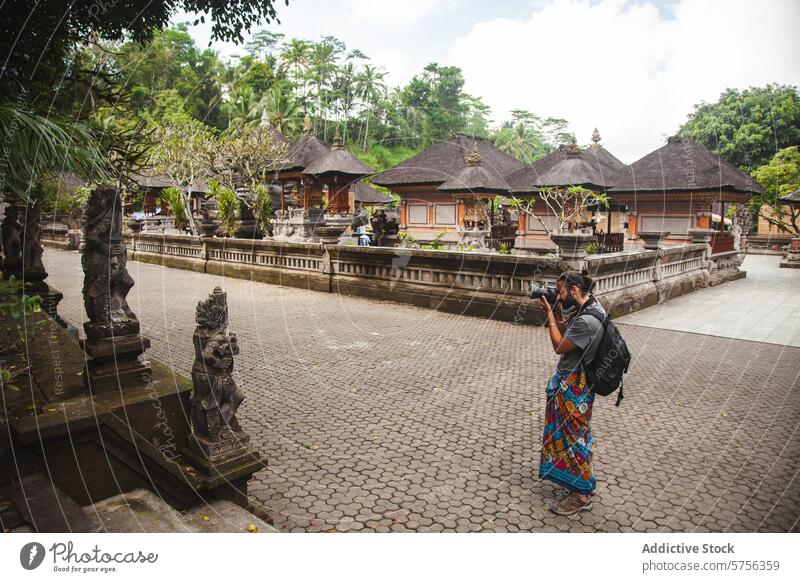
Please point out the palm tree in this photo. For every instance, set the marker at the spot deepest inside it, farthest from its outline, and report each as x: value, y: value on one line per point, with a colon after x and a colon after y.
x: 37, y: 147
x: 370, y: 88
x: 295, y: 58
x: 242, y: 105
x: 344, y: 91
x: 282, y: 110
x: 322, y: 66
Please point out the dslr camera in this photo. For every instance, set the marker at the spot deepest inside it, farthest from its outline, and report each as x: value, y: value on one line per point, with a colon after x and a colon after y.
x: 549, y: 293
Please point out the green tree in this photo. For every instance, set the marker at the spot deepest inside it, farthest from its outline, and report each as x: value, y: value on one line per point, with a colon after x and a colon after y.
x: 37, y: 39
x: 370, y: 87
x: 746, y: 128
x: 283, y: 112
x: 527, y: 137
x: 262, y: 207
x: 172, y: 61
x: 780, y: 177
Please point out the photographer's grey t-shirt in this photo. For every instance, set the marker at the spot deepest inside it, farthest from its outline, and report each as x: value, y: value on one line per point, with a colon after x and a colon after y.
x: 586, y: 332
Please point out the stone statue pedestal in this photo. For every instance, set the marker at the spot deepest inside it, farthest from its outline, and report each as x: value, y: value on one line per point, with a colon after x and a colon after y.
x: 231, y: 446
x: 224, y: 469
x: 475, y: 237
x: 114, y: 361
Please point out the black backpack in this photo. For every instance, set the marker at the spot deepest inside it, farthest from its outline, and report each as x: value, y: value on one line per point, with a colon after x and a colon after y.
x: 611, y: 360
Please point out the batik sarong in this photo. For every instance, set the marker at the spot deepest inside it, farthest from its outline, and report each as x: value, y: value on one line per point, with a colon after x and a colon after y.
x: 566, y: 455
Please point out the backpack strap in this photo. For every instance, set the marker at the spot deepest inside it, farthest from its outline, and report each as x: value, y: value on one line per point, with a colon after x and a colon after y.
x: 620, y: 395
x: 603, y: 320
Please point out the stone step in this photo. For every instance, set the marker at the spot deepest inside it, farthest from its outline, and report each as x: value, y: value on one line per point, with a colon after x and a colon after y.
x: 143, y: 511
x: 46, y: 508
x: 10, y: 518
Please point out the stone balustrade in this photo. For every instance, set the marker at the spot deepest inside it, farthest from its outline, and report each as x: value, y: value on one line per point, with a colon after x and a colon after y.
x: 480, y: 284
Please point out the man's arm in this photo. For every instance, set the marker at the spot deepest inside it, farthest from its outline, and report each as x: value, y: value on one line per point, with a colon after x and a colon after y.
x: 561, y: 345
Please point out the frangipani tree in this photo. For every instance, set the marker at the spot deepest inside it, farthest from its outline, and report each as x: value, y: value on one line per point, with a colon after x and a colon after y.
x: 246, y: 155
x: 243, y: 159
x: 184, y: 146
x: 567, y: 204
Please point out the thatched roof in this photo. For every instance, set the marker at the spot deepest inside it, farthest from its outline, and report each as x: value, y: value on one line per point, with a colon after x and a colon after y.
x: 683, y: 164
x: 304, y: 151
x: 443, y: 161
x: 152, y: 181
x: 597, y: 168
x: 366, y: 194
x: 338, y: 161
x: 473, y: 177
x: 792, y: 199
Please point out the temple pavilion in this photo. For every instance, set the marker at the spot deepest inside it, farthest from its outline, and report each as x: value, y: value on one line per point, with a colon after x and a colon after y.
x: 425, y: 209
x: 681, y: 186
x: 315, y: 170
x: 592, y: 167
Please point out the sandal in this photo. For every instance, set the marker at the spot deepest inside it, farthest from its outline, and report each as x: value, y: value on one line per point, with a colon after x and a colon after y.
x: 570, y: 505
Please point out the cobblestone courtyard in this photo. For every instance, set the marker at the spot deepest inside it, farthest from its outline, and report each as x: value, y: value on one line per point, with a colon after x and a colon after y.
x: 383, y: 417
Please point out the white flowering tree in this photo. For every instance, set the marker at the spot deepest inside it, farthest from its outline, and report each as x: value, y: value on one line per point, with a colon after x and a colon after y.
x: 567, y: 204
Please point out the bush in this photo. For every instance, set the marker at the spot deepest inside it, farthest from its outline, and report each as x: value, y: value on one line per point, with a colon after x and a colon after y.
x: 408, y: 240
x: 173, y: 198
x: 227, y: 206
x: 436, y: 244
x: 262, y: 207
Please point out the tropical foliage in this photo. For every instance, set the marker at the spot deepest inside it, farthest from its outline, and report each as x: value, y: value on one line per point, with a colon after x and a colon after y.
x: 35, y: 148
x: 228, y: 205
x: 746, y: 128
x: 780, y: 177
x: 262, y: 206
x: 174, y: 199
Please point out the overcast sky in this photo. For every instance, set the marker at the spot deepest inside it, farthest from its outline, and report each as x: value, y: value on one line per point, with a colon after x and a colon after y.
x: 634, y: 69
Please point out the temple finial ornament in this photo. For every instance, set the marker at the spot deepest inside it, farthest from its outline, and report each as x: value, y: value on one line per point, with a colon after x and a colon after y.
x: 338, y: 143
x: 474, y: 158
x: 572, y: 149
x: 595, y: 135
x: 308, y: 127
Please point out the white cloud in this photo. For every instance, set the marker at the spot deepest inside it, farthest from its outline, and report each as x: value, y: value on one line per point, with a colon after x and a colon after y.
x: 391, y: 15
x: 625, y: 68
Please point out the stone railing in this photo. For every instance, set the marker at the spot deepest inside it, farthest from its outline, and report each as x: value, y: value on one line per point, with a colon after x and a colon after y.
x: 481, y: 284
x: 765, y: 244
x: 632, y: 280
x: 59, y: 234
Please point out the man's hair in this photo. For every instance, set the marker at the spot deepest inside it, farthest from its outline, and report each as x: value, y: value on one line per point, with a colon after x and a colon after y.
x: 579, y: 279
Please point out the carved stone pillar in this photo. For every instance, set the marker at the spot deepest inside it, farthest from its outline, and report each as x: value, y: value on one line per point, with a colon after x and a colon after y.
x: 113, y: 341
x: 22, y: 255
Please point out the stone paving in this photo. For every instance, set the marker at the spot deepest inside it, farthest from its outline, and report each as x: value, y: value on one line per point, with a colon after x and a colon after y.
x: 383, y: 417
x: 764, y: 306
